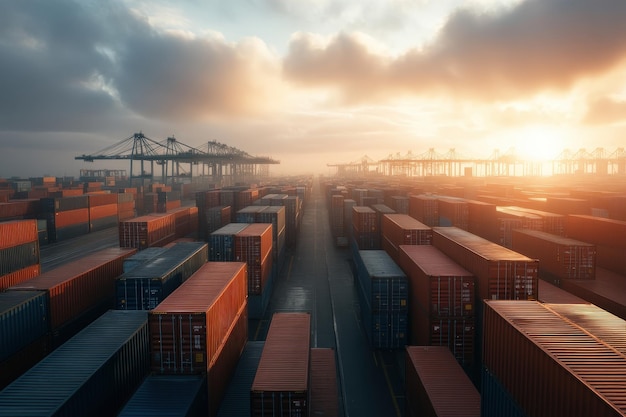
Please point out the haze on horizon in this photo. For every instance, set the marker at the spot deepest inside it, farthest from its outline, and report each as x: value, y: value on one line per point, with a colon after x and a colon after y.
x: 309, y: 82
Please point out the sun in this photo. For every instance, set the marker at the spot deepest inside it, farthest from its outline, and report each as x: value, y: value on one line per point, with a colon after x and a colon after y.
x: 539, y: 143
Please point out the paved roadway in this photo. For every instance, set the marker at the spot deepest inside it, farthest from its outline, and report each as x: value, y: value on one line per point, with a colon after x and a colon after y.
x: 317, y: 278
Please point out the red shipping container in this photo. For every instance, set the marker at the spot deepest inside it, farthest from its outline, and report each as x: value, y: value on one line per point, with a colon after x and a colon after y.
x: 19, y: 208
x: 145, y: 231
x: 458, y: 334
x: 281, y: 384
x: 559, y: 257
x: 501, y: 274
x: 253, y: 245
x: 66, y: 193
x: 436, y: 385
x: 453, y: 212
x: 551, y: 294
x: 425, y: 209
x: 100, y: 212
x: 567, y: 205
x: 17, y: 232
x: 103, y: 199
x: 438, y: 285
x: 364, y: 219
x: 78, y: 286
x: 402, y: 229
x: 19, y: 276
x: 607, y: 291
x: 481, y: 219
x: 323, y: 383
x: 189, y: 327
x: 572, y: 372
x: 552, y: 222
x: 597, y: 230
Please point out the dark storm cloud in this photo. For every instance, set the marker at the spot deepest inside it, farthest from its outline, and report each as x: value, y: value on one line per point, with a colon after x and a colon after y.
x: 538, y: 45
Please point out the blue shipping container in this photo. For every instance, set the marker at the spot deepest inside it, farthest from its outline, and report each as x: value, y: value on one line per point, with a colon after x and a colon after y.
x: 222, y: 242
x: 23, y: 319
x: 383, y: 282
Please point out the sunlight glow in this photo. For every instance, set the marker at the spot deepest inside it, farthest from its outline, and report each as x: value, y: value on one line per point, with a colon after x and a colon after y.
x: 539, y: 143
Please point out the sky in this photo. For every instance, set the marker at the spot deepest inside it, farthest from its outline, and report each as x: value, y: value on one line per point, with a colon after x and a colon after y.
x: 309, y: 82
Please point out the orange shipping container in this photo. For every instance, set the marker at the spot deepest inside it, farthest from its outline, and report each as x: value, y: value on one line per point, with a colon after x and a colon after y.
x: 16, y: 277
x: 99, y: 212
x: 190, y: 326
x: 17, y: 232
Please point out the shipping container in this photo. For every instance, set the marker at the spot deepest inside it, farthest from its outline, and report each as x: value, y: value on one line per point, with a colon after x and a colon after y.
x: 248, y: 214
x: 337, y: 216
x: 383, y: 282
x: 145, y: 231
x: 189, y: 327
x: 402, y: 229
x: 323, y: 383
x: 222, y: 242
x: 458, y: 334
x: 481, y: 219
x: 141, y: 257
x: 236, y: 401
x: 608, y: 235
x: 55, y: 205
x: 17, y: 232
x: 436, y: 386
x: 400, y: 204
x: 92, y: 374
x: 425, y: 209
x: 79, y: 288
x: 559, y: 257
x: 501, y: 274
x: 145, y: 286
x: 453, y: 212
x: 552, y: 222
x: 281, y: 384
x: 552, y: 294
x: 607, y: 291
x: 16, y: 277
x: 169, y: 396
x: 23, y: 320
x: 19, y: 209
x: 365, y: 231
x: 18, y: 257
x: 572, y: 372
x: 214, y: 219
x: 253, y: 245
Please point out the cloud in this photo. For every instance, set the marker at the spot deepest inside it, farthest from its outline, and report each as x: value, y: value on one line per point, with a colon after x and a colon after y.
x: 536, y: 46
x: 605, y: 111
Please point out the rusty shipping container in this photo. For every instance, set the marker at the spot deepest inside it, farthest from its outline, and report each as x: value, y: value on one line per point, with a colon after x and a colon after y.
x: 93, y: 374
x: 281, y: 383
x: 438, y: 285
x: 79, y: 287
x: 572, y: 372
x: 145, y: 231
x: 453, y: 212
x: 559, y: 257
x: 402, y: 229
x: 189, y: 327
x: 253, y: 245
x: 501, y: 274
x: 436, y: 386
x: 323, y: 380
x: 425, y: 209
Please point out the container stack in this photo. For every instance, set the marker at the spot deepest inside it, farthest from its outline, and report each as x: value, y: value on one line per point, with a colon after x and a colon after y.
x: 202, y: 327
x: 146, y: 231
x: 453, y: 212
x: 93, y: 374
x: 365, y: 232
x: 78, y: 291
x: 337, y: 216
x: 435, y: 384
x: 425, y: 209
x: 509, y: 219
x: 253, y: 245
x: 482, y: 220
x: 402, y: 229
x: 222, y: 242
x: 167, y: 201
x: 126, y: 205
x: 19, y: 252
x: 281, y: 383
x: 323, y: 383
x: 209, y: 215
x: 559, y: 257
x: 276, y: 216
x: 608, y: 235
x: 348, y: 205
x: 248, y: 214
x: 66, y: 217
x: 550, y: 222
x: 381, y: 210
x: 293, y: 217
x: 400, y: 204
x: 575, y: 381
x: 148, y: 284
x: 103, y: 211
x: 441, y: 302
x: 383, y: 291
x: 19, y: 209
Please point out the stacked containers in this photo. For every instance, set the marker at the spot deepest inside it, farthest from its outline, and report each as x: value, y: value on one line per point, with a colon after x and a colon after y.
x: 253, y: 245
x: 222, y: 242
x: 510, y: 219
x: 276, y: 216
x: 92, y: 374
x: 549, y: 293
x: 559, y: 257
x: 348, y: 204
x: 436, y: 385
x: 336, y: 215
x: 383, y: 294
x: 126, y: 205
x: 281, y: 383
x: 66, y: 217
x: 206, y: 201
x: 78, y: 291
x: 481, y: 219
x: 103, y: 211
x: 248, y: 214
x: 453, y: 212
x: 145, y: 286
x: 402, y: 229
x: 168, y: 395
x: 400, y: 204
x: 607, y: 291
x: 19, y: 252
x: 247, y: 197
x: 214, y: 218
x: 202, y: 327
x: 19, y: 209
x: 381, y: 210
x: 323, y: 380
x: 608, y: 235
x: 145, y: 231
x: 292, y: 218
x: 551, y: 222
x: 23, y: 332
x: 425, y: 209
x: 167, y: 200
x: 441, y: 302
x: 571, y: 365
x: 365, y: 232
